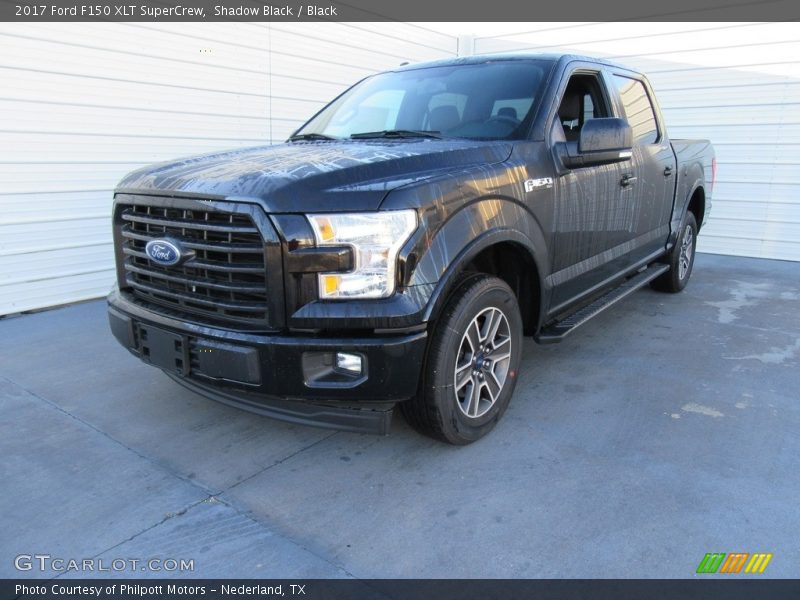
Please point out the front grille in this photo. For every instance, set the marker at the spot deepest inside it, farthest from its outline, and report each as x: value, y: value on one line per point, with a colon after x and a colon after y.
x: 225, y: 281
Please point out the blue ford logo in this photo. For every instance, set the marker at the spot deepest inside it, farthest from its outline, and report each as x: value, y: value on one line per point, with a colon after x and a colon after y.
x: 163, y: 252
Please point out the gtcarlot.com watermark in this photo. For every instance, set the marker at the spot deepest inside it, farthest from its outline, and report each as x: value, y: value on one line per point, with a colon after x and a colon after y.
x: 48, y: 563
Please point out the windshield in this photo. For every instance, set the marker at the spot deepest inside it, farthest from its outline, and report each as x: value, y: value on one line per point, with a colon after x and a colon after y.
x: 493, y: 100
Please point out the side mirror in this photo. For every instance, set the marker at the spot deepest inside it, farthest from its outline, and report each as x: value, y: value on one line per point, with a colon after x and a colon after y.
x: 602, y: 141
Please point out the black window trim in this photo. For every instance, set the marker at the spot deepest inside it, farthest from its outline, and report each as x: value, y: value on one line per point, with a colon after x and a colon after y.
x: 580, y: 68
x: 645, y: 84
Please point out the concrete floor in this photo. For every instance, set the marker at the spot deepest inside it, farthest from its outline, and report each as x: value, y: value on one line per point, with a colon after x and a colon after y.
x: 666, y: 428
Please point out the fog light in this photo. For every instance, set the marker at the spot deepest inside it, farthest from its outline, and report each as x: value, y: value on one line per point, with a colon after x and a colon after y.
x: 349, y: 362
x: 329, y: 369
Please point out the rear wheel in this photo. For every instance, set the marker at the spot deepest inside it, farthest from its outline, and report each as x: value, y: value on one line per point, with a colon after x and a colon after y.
x: 681, y: 258
x: 472, y: 363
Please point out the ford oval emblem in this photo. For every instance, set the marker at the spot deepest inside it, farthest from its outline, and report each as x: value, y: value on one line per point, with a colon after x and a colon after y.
x: 163, y: 252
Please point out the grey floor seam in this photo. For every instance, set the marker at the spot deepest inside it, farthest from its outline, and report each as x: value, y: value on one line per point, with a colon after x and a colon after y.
x: 85, y: 423
x: 278, y: 462
x: 249, y: 515
x: 146, y: 529
x: 209, y: 493
x: 159, y: 464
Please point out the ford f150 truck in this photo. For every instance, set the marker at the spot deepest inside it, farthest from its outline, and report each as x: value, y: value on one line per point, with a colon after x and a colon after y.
x: 397, y: 248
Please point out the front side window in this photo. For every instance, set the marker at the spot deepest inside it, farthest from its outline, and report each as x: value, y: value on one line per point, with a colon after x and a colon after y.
x: 493, y: 100
x: 582, y: 100
x: 638, y: 109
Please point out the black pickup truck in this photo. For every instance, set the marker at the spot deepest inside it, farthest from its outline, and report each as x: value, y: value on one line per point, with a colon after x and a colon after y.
x: 398, y: 246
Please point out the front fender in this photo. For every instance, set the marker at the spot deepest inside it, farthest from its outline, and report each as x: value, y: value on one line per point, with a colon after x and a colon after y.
x: 447, y: 248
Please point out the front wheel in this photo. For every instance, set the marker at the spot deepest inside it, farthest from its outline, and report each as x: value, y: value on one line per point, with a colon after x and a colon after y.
x: 472, y: 363
x: 681, y: 258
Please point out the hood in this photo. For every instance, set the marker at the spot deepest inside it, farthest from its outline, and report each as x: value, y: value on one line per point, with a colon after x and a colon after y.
x: 314, y: 176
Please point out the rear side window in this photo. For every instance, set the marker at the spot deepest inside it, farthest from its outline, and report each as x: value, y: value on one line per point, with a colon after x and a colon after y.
x: 638, y: 109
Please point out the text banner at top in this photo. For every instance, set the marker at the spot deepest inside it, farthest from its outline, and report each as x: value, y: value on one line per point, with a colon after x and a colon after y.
x: 394, y: 10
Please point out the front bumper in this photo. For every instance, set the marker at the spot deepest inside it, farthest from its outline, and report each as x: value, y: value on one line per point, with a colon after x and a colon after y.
x: 266, y: 374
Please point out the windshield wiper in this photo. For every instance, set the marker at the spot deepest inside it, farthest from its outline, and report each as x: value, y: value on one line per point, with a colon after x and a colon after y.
x: 311, y: 136
x: 397, y: 133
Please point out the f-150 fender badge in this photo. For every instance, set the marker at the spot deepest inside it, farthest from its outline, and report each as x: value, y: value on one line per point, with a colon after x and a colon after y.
x: 543, y: 182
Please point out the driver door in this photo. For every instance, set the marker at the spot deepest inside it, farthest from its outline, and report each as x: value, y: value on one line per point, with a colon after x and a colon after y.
x: 592, y: 215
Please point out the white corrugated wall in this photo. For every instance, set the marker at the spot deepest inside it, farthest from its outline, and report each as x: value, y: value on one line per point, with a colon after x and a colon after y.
x: 83, y: 104
x: 735, y: 83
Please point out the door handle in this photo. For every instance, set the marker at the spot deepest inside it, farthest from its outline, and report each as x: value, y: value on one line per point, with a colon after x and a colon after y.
x: 667, y: 171
x: 627, y: 180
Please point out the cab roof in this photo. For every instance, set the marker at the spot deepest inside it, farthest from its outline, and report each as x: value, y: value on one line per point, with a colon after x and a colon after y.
x: 486, y: 58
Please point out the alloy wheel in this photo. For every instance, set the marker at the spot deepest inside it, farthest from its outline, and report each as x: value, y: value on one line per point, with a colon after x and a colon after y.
x: 482, y: 365
x: 687, y: 248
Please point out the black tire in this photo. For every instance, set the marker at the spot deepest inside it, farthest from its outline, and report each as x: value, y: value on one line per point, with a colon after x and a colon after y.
x: 680, y: 270
x: 440, y: 408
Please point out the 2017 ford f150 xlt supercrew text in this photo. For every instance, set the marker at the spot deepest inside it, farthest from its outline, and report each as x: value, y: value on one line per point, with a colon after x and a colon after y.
x: 398, y: 246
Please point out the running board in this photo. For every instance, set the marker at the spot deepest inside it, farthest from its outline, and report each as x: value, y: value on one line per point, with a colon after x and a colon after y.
x: 560, y: 329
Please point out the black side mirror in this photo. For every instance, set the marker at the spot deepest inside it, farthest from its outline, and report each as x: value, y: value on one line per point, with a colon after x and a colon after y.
x: 602, y: 141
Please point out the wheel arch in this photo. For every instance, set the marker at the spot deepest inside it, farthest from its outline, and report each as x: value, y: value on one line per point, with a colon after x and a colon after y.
x: 697, y: 205
x: 692, y: 196
x: 505, y: 253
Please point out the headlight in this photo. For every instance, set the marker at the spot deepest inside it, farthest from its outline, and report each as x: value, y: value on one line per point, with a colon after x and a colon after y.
x: 376, y: 238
